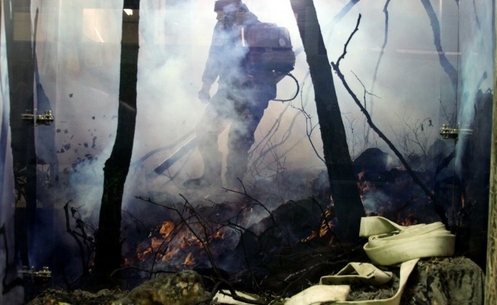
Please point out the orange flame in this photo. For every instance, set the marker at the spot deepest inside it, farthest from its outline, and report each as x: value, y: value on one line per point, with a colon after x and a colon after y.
x: 166, y: 229
x: 169, y: 254
x: 189, y: 260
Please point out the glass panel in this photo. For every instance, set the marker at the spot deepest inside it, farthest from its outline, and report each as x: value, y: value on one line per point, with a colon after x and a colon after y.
x: 118, y: 136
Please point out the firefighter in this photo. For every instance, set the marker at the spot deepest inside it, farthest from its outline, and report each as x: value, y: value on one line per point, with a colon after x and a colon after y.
x: 238, y: 104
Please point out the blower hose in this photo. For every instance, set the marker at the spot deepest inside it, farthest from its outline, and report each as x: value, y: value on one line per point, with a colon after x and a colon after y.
x: 296, y: 92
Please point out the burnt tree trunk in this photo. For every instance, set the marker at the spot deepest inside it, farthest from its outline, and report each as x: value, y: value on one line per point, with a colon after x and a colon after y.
x: 21, y: 61
x: 343, y: 182
x: 108, y: 245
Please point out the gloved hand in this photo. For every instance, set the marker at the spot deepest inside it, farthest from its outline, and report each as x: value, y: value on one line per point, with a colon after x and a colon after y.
x: 204, y: 94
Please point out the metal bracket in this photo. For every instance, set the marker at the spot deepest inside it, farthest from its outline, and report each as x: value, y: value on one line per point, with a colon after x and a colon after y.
x: 43, y: 274
x: 453, y: 133
x: 46, y: 118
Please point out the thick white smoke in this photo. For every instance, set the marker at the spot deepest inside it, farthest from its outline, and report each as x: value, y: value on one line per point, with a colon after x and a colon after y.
x: 80, y: 66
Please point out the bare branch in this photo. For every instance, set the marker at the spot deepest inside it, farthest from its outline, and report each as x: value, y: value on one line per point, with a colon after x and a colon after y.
x: 444, y: 62
x: 348, y: 40
x: 377, y: 67
x: 374, y: 127
x: 309, y: 128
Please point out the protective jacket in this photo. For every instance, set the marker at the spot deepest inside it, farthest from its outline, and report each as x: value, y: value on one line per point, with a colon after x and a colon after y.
x: 227, y: 53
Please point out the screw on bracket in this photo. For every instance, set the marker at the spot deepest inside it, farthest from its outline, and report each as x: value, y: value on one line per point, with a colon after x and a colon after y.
x: 46, y: 118
x: 453, y: 133
x: 43, y: 274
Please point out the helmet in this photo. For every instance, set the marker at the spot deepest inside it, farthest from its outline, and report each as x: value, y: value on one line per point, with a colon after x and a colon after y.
x: 220, y: 4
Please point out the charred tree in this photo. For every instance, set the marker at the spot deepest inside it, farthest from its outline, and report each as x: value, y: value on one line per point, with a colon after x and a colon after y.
x: 339, y: 164
x: 21, y: 61
x: 108, y: 244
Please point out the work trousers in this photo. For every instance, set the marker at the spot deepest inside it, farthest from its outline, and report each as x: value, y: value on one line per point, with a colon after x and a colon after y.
x: 239, y: 107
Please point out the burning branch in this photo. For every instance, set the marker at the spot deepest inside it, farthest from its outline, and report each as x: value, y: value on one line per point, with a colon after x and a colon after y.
x: 186, y: 221
x: 189, y: 217
x: 270, y: 245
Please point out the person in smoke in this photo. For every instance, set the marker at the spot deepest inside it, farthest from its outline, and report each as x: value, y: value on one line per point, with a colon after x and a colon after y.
x: 239, y: 102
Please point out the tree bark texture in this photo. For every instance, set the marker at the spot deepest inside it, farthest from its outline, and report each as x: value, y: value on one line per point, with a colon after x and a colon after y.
x: 21, y: 77
x: 108, y: 246
x: 339, y: 164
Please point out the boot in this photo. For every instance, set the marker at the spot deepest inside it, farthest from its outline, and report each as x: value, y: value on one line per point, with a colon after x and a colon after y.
x: 211, y: 176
